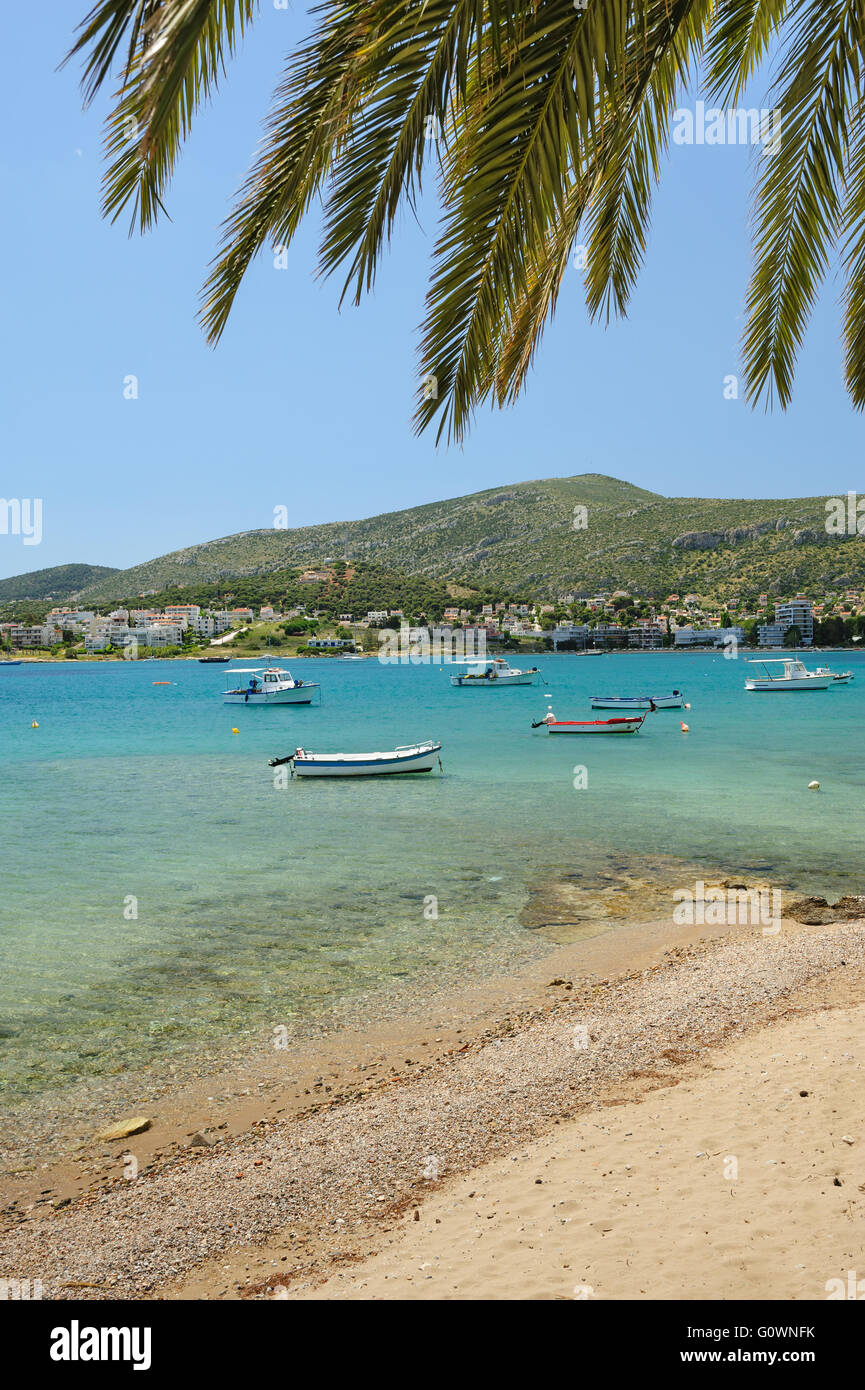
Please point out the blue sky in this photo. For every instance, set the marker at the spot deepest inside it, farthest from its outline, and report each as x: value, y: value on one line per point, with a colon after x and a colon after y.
x: 310, y: 407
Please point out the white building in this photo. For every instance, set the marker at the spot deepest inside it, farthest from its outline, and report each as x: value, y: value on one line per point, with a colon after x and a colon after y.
x: 185, y: 613
x: 797, y: 613
x: 41, y: 635
x: 570, y: 632
x: 708, y: 636
x: 646, y: 635
x: 162, y: 634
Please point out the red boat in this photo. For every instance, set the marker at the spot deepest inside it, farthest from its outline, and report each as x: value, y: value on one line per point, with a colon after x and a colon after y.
x: 620, y: 725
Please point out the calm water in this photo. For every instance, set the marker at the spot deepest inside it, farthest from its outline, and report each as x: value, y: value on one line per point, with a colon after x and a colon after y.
x: 258, y: 903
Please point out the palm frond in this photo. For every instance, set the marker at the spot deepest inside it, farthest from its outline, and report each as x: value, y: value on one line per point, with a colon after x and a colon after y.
x: 327, y: 83
x: 617, y: 217
x: 738, y: 43
x: 177, y: 52
x: 522, y: 139
x: 423, y: 60
x: 853, y: 257
x: 798, y: 200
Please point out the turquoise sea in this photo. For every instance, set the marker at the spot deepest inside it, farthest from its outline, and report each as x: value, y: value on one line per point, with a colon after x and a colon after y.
x: 160, y: 892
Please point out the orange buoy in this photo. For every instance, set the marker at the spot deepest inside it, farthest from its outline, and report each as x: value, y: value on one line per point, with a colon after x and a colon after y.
x: 684, y: 728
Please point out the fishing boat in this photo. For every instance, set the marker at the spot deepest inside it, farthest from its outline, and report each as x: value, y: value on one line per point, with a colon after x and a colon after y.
x: 676, y: 700
x: 212, y: 660
x: 793, y: 675
x: 267, y: 685
x: 838, y: 677
x: 10, y: 663
x: 412, y: 757
x: 494, y: 672
x: 622, y: 724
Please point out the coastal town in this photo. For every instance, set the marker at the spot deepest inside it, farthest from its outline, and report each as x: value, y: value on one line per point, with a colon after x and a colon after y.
x: 606, y: 621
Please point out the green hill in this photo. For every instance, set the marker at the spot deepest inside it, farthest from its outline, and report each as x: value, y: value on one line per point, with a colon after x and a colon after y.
x: 522, y: 538
x: 61, y: 583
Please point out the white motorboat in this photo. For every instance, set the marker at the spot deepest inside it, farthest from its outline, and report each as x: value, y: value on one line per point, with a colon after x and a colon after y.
x: 413, y: 757
x: 676, y: 700
x: 495, y: 672
x: 267, y: 685
x: 838, y: 677
x: 793, y: 675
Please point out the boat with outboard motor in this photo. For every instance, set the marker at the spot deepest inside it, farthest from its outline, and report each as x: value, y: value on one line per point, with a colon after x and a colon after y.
x: 495, y: 672
x: 622, y: 724
x: 838, y: 677
x: 793, y: 675
x: 268, y: 685
x: 412, y: 757
x: 675, y: 700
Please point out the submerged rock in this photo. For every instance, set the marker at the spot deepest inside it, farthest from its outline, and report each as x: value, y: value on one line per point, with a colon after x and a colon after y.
x: 817, y: 912
x: 136, y: 1125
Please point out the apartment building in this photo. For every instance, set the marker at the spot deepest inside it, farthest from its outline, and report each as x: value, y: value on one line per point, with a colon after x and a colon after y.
x: 577, y: 633
x: 796, y: 612
x: 708, y: 636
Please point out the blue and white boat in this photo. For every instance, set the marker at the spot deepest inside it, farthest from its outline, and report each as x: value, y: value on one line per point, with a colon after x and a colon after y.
x: 675, y: 700
x: 413, y: 757
x: 267, y: 685
x: 495, y: 672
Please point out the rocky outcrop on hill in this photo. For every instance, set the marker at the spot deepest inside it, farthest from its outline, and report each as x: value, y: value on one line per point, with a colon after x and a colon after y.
x: 698, y: 540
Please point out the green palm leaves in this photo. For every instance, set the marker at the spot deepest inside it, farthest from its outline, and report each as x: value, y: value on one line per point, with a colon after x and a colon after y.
x: 543, y: 125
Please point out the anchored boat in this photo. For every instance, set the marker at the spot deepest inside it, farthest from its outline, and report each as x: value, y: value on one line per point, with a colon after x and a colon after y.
x: 413, y: 757
x: 838, y: 677
x: 267, y: 685
x: 793, y: 675
x: 623, y: 724
x: 495, y: 672
x: 676, y: 700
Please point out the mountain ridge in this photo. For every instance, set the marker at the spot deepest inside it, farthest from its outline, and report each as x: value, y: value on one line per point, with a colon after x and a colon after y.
x: 584, y: 534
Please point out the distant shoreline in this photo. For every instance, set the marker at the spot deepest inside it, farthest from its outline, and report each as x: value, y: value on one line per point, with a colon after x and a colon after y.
x: 758, y: 652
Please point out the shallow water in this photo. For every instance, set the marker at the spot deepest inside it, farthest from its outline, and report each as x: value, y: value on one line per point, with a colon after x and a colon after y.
x: 160, y: 892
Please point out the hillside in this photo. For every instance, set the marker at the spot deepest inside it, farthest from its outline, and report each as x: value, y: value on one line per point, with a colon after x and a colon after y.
x: 521, y: 538
x: 61, y: 583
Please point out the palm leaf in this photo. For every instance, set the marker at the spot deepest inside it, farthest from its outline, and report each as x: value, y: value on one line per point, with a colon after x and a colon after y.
x: 853, y: 255
x: 177, y: 52
x: 798, y: 199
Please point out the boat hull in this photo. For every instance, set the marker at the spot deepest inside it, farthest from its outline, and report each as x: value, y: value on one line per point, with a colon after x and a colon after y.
x: 524, y: 678
x: 399, y: 762
x: 298, y: 695
x: 595, y: 726
x: 813, y: 683
x: 623, y: 702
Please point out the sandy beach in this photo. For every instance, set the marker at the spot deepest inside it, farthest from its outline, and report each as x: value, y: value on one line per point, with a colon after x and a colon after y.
x: 688, y: 1126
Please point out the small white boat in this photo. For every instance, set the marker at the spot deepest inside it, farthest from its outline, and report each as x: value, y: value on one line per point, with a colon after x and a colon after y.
x: 623, y: 724
x: 676, y: 700
x: 495, y: 672
x: 413, y: 757
x: 838, y: 677
x: 793, y: 675
x: 267, y: 685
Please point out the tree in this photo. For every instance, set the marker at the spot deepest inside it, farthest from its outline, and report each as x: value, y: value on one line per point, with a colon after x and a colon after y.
x: 793, y: 636
x: 572, y: 110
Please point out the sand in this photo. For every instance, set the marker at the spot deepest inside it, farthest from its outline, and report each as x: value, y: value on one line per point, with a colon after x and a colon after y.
x: 747, y: 1183
x: 583, y: 1137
